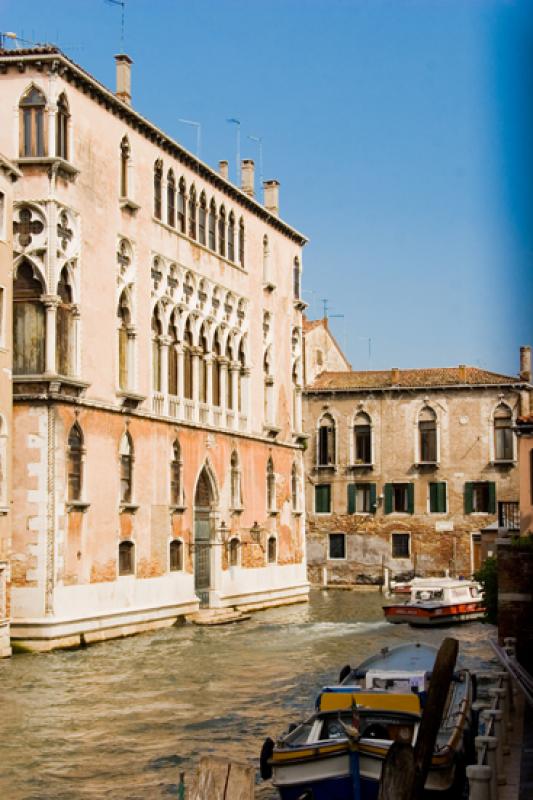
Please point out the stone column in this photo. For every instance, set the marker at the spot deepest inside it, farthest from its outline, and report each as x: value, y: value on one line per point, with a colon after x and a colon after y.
x: 51, y: 302
x: 181, y: 389
x: 196, y: 354
x: 209, y: 387
x: 51, y: 139
x: 234, y: 377
x: 164, y: 343
x: 223, y: 389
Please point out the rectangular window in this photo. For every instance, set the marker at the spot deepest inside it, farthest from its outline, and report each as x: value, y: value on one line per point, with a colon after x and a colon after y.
x: 401, y: 545
x: 363, y: 448
x: 337, y: 546
x: 362, y: 498
x: 437, y: 498
x: 323, y: 498
x: 399, y: 498
x: 428, y: 442
x: 480, y: 497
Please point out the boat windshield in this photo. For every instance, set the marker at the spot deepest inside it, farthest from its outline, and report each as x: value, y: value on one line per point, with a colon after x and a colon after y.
x: 429, y: 594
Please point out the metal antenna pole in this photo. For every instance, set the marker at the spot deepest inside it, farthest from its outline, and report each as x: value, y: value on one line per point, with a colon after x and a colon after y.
x: 122, y: 4
x: 198, y: 127
x: 259, y: 140
x: 237, y: 123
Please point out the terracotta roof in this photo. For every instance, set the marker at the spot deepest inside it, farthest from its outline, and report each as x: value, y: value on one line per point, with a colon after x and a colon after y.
x: 410, y: 378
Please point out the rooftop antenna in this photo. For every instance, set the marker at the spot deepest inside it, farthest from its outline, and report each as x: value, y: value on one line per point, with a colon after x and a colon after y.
x: 259, y: 140
x: 6, y: 35
x: 369, y: 340
x: 198, y: 127
x: 237, y: 124
x: 122, y: 4
x: 327, y: 316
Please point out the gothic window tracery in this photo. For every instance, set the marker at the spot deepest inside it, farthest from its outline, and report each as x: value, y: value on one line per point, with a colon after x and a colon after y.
x: 32, y: 117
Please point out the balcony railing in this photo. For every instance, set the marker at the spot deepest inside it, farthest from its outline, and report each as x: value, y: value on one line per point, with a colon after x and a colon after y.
x: 509, y: 515
x: 173, y: 406
x: 204, y: 413
x: 158, y: 403
x: 243, y: 422
x: 189, y: 410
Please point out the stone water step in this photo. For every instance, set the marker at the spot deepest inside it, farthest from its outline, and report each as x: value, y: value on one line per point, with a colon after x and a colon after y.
x: 217, y: 616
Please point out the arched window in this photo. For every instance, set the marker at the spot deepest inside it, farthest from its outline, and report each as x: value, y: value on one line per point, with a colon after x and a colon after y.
x: 362, y: 439
x: 241, y: 242
x: 296, y: 279
x: 126, y: 468
x: 326, y: 442
x: 272, y: 550
x: 503, y: 434
x: 124, y: 356
x: 181, y: 207
x: 126, y: 558
x: 172, y: 359
x: 176, y: 555
x: 187, y: 362
x: 235, y: 478
x: 62, y: 122
x: 229, y: 382
x: 234, y: 552
x: 158, y: 181
x: 212, y: 225
x: 217, y: 369
x: 222, y: 231
x: 64, y: 326
x: 171, y: 199
x: 203, y: 367
x: 202, y: 218
x: 28, y: 322
x: 268, y: 389
x: 125, y: 153
x: 75, y: 463
x: 176, y: 476
x: 242, y: 373
x: 270, y: 486
x: 32, y: 116
x: 427, y: 436
x: 192, y: 212
x: 157, y: 331
x: 231, y: 236
x: 295, y: 488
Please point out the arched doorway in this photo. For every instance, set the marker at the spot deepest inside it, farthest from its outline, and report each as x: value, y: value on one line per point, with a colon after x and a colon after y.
x: 204, y: 503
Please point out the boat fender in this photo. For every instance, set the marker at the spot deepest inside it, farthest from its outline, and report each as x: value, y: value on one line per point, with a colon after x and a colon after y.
x: 265, y: 768
x: 345, y: 671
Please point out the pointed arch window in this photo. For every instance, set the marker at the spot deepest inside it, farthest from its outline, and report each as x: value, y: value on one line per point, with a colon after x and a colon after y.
x: 126, y: 558
x: 217, y: 369
x: 272, y: 550
x: 362, y: 439
x: 125, y: 342
x: 126, y: 468
x: 202, y: 219
x: 231, y: 236
x: 241, y: 377
x: 32, y: 116
x: 229, y: 382
x: 64, y: 326
x: 203, y: 367
x: 75, y: 463
x: 222, y: 232
x: 427, y: 436
x: 234, y: 552
x: 157, y: 331
x: 270, y: 486
x: 171, y: 199
x: 125, y: 153
x: 192, y: 213
x: 235, y: 478
x: 158, y: 183
x: 176, y: 476
x: 62, y: 125
x: 326, y: 442
x: 212, y: 225
x: 176, y: 555
x: 295, y: 488
x: 296, y: 279
x: 503, y: 434
x: 173, y: 360
x: 181, y: 206
x: 187, y: 362
x: 28, y: 322
x: 241, y: 242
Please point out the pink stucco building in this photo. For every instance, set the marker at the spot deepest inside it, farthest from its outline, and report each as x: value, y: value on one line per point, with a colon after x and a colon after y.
x: 156, y: 369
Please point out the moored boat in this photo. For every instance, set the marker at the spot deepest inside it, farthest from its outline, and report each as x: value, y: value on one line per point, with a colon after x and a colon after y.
x: 383, y: 698
x: 438, y: 601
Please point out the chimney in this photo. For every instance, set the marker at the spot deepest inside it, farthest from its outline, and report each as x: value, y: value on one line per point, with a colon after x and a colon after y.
x: 247, y: 177
x: 123, y: 91
x: 223, y: 168
x: 395, y: 376
x: 462, y: 373
x: 271, y: 190
x: 525, y: 364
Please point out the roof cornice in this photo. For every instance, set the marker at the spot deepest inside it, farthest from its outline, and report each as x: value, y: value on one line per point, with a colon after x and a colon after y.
x: 424, y: 388
x: 58, y: 62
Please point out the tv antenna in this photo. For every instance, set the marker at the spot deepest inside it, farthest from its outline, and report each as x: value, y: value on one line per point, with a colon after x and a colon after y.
x: 198, y: 126
x: 122, y: 4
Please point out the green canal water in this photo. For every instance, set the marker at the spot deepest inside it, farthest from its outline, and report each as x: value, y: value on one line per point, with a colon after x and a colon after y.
x: 121, y: 719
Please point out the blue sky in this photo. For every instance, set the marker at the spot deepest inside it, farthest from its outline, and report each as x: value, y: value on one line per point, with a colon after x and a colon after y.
x: 401, y: 132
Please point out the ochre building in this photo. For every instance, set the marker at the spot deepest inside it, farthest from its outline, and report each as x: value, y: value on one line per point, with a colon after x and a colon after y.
x: 405, y: 468
x: 157, y: 369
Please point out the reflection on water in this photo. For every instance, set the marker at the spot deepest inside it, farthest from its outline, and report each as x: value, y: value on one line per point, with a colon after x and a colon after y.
x: 121, y: 719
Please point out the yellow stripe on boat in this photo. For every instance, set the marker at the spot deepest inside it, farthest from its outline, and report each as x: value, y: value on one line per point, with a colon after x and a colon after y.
x: 387, y: 701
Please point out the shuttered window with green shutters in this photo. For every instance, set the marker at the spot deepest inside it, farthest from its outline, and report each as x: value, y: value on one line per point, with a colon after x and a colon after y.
x: 362, y: 498
x: 399, y: 498
x: 480, y: 497
x: 323, y: 498
x: 437, y: 498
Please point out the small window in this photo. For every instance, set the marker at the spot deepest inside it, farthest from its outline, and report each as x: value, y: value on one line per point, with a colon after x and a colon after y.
x: 295, y: 488
x: 222, y: 232
x: 323, y: 498
x: 171, y: 199
x: 427, y: 432
x: 503, y: 434
x: 437, y: 498
x: 181, y: 206
x: 212, y: 222
x: 326, y: 442
x: 176, y: 555
x: 231, y: 237
x: 272, y: 550
x: 399, y: 498
x: 192, y: 213
x: 75, y: 463
x: 175, y: 475
x: 32, y: 112
x: 362, y: 498
x: 158, y: 181
x: 362, y: 439
x: 126, y: 468
x: 126, y: 558
x: 62, y: 120
x: 401, y: 545
x: 337, y: 546
x: 235, y: 479
x: 241, y: 242
x: 202, y: 218
x: 234, y: 552
x: 480, y: 497
x: 271, y: 486
x: 124, y: 166
x: 296, y: 274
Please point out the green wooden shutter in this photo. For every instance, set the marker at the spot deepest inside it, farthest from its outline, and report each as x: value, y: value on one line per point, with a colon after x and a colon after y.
x: 469, y: 505
x: 410, y: 498
x: 319, y: 499
x: 492, y: 497
x: 351, y: 498
x: 373, y: 498
x: 441, y: 497
x: 388, y: 498
x: 433, y: 497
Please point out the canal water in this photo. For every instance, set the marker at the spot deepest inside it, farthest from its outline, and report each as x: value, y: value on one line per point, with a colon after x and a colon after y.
x: 121, y: 719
